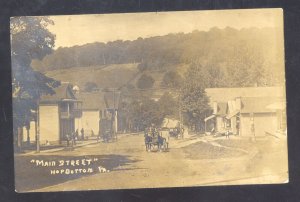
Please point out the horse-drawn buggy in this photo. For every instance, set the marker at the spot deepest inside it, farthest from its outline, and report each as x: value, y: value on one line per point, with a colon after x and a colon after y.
x: 176, y: 132
x: 156, y: 139
x: 106, y: 130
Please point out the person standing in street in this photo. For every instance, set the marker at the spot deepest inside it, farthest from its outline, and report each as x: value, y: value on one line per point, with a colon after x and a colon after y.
x: 74, y: 138
x: 253, y: 131
x: 76, y: 134
x: 68, y: 140
x: 82, y: 133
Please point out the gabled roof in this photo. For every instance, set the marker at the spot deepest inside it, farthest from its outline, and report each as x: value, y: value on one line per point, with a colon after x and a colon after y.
x: 225, y: 94
x: 63, y: 92
x: 91, y: 100
x: 258, y: 104
x: 98, y: 100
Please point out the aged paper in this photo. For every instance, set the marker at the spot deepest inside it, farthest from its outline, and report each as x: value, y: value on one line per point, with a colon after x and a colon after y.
x: 149, y: 100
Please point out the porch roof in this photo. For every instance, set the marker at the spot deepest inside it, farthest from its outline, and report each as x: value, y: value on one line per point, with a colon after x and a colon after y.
x: 229, y: 116
x: 225, y: 94
x: 210, y: 117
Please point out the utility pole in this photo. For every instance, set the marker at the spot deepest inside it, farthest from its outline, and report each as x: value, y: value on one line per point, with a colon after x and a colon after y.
x: 103, y: 58
x: 180, y: 113
x: 115, y: 115
x: 38, y: 127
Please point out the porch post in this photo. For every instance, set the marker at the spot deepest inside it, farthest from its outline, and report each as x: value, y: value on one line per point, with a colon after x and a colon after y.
x: 28, y: 135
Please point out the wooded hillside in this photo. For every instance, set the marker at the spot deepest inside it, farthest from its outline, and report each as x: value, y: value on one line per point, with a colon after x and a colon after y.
x: 228, y: 57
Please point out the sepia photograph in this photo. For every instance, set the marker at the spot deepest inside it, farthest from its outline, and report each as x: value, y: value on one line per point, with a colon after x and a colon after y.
x: 149, y: 100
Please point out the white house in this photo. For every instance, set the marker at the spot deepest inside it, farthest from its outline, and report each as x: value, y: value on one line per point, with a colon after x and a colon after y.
x: 57, y: 114
x: 95, y: 106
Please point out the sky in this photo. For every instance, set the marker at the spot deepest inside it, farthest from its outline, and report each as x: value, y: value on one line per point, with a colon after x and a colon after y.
x: 71, y: 30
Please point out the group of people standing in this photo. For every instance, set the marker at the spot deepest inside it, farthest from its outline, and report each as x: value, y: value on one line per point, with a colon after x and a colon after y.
x: 152, y: 131
x: 74, y: 136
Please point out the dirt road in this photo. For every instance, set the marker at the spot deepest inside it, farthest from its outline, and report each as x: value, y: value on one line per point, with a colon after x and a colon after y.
x: 193, y: 162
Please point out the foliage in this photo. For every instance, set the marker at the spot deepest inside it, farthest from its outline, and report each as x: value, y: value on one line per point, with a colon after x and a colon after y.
x: 90, y: 86
x: 143, y: 113
x: 193, y: 98
x: 142, y: 66
x: 30, y: 39
x: 245, y: 68
x: 169, y: 105
x: 225, y: 49
x: 145, y: 81
x: 172, y: 79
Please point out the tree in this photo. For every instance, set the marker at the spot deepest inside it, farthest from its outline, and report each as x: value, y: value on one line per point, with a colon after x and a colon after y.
x: 145, y: 81
x: 169, y: 105
x: 172, y: 79
x: 142, y: 66
x: 90, y: 86
x: 142, y: 112
x: 30, y: 39
x: 193, y: 98
x: 245, y: 67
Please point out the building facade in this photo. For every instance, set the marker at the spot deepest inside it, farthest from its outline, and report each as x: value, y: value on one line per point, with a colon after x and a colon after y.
x: 255, y: 111
x: 97, y: 106
x: 57, y: 114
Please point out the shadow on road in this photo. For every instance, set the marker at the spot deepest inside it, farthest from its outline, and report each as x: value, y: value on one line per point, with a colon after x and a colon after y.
x: 30, y: 176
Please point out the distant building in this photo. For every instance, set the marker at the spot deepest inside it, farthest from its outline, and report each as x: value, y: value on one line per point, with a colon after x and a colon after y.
x: 216, y: 121
x: 247, y: 111
x: 226, y: 94
x: 257, y: 111
x: 95, y: 106
x: 170, y: 123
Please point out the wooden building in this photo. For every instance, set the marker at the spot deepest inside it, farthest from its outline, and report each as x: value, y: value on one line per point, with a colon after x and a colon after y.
x: 57, y: 114
x: 247, y: 111
x: 96, y: 106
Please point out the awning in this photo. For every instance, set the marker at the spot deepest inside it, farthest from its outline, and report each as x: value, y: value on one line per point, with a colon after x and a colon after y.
x: 210, y: 117
x: 229, y: 116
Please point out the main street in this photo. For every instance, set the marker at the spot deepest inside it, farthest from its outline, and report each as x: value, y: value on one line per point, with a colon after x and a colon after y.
x: 193, y: 161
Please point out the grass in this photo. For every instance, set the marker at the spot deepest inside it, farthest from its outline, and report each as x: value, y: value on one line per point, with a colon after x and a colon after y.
x: 114, y: 75
x: 201, y: 150
x: 110, y: 76
x: 236, y: 143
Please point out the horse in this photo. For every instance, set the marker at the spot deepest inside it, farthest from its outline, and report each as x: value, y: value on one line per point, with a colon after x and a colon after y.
x: 158, y: 141
x: 162, y: 143
x: 165, y: 136
x: 148, y: 140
